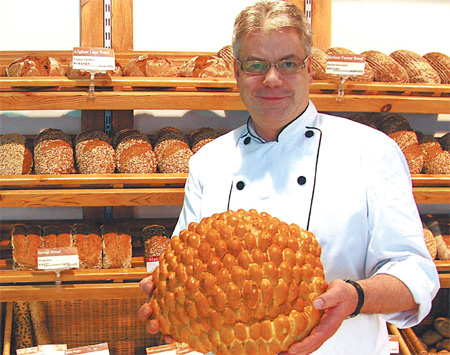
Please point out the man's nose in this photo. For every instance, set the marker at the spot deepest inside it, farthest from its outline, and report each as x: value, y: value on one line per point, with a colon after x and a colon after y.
x: 273, y: 77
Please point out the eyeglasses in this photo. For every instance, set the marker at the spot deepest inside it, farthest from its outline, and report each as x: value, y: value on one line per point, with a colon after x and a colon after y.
x: 287, y: 66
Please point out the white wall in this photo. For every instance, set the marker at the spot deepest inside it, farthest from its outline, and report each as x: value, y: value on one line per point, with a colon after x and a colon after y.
x: 206, y: 25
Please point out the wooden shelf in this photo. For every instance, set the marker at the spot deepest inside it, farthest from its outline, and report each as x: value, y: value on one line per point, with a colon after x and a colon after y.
x: 143, y: 189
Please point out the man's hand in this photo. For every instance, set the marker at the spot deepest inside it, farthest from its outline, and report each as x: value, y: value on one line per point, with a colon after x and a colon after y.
x: 337, y: 303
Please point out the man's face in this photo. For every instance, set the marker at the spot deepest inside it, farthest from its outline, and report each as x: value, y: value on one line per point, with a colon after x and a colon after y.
x: 273, y: 99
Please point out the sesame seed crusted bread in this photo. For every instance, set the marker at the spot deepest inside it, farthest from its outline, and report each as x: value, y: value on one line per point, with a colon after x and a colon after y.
x: 172, y: 151
x: 117, y: 250
x: 94, y: 153
x: 16, y: 157
x: 200, y: 137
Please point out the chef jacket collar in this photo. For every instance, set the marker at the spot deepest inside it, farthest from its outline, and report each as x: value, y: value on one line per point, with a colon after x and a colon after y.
x: 290, y: 128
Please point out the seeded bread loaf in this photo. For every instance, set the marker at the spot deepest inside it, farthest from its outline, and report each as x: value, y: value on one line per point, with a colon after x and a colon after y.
x: 200, y: 137
x: 134, y: 152
x: 88, y: 242
x: 441, y: 63
x: 409, y: 144
x: 35, y: 66
x: 22, y: 326
x: 16, y: 157
x: 418, y: 68
x: 39, y: 321
x: 385, y: 68
x: 53, y: 153
x: 172, y: 151
x: 151, y: 66
x: 25, y: 241
x: 94, y: 153
x: 239, y: 283
x: 155, y: 240
x: 57, y: 236
x: 117, y: 250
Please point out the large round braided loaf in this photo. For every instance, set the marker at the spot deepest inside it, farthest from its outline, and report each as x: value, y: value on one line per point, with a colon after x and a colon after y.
x: 239, y: 283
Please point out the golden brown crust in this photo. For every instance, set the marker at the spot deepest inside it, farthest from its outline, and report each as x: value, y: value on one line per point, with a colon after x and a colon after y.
x: 239, y: 282
x: 441, y: 63
x: 417, y: 67
x: 25, y: 241
x: 16, y: 157
x: 117, y: 251
x: 385, y: 68
x: 319, y: 65
x: 89, y: 245
x: 212, y: 67
x: 151, y: 66
x: 34, y: 66
x: 94, y: 153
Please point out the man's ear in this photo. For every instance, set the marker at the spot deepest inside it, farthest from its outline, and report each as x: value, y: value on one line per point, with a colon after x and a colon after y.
x: 309, y: 69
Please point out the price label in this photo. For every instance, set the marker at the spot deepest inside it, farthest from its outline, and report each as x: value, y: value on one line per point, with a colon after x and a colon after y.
x: 98, y: 349
x: 93, y: 59
x: 152, y: 262
x: 57, y: 258
x: 394, y: 344
x: 345, y: 64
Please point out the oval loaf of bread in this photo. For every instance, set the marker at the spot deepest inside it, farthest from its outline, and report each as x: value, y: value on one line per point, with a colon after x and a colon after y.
x: 441, y: 63
x: 418, y: 68
x: 239, y: 282
x: 385, y: 68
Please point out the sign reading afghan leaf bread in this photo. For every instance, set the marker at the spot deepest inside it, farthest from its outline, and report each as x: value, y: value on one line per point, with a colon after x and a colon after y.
x: 239, y: 283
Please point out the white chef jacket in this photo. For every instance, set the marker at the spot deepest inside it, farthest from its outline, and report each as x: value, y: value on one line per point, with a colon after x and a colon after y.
x: 347, y: 183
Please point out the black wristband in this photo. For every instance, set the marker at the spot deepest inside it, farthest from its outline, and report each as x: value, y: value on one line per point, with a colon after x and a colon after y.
x: 360, y: 291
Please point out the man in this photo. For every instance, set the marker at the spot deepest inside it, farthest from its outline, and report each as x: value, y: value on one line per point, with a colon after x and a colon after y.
x: 347, y: 183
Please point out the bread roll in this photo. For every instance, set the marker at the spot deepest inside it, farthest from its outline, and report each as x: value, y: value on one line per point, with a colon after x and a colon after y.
x: 385, y: 68
x: 441, y: 63
x: 212, y: 67
x: 53, y: 153
x: 150, y: 66
x: 319, y: 65
x: 239, y: 283
x: 134, y: 153
x: 81, y: 74
x: 25, y: 241
x: 94, y: 153
x: 117, y: 251
x: 35, y: 66
x: 200, y: 137
x: 16, y: 157
x: 417, y: 67
x: 88, y: 242
x: 368, y: 75
x: 172, y: 151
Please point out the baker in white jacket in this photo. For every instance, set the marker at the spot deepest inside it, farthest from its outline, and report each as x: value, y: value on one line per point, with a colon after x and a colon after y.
x: 347, y: 183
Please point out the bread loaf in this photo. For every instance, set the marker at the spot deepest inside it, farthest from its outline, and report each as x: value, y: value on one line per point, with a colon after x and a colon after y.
x: 226, y: 53
x: 57, y: 236
x: 16, y: 157
x: 172, y: 151
x: 417, y: 67
x: 94, y: 153
x: 187, y: 67
x: 117, y: 251
x: 88, y: 242
x: 212, y: 67
x: 409, y: 144
x: 444, y: 141
x: 35, y: 66
x: 53, y: 153
x: 319, y: 65
x: 82, y: 74
x: 239, y: 283
x: 441, y: 63
x: 437, y: 160
x: 385, y: 68
x: 393, y: 123
x: 368, y: 75
x: 150, y: 66
x: 39, y: 321
x: 22, y: 326
x: 155, y: 240
x: 200, y: 137
x: 430, y: 242
x: 134, y: 153
x: 25, y: 241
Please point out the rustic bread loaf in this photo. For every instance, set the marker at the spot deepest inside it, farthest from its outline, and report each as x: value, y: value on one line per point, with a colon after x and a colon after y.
x: 437, y: 160
x: 368, y: 75
x: 441, y: 63
x: 94, y: 153
x: 134, y: 152
x: 239, y: 283
x: 16, y: 157
x: 187, y: 67
x: 319, y: 65
x: 430, y: 242
x: 212, y: 67
x: 155, y: 240
x: 35, y: 66
x: 53, y: 153
x: 39, y: 321
x: 25, y: 241
x: 200, y: 137
x: 409, y: 144
x: 385, y: 68
x: 151, y: 66
x: 227, y: 54
x: 22, y: 326
x: 88, y: 242
x: 117, y: 250
x: 172, y: 151
x: 393, y: 123
x: 82, y: 74
x: 417, y: 67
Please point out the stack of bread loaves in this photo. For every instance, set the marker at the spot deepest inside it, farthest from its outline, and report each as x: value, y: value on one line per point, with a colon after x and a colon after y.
x: 53, y: 152
x: 172, y: 151
x: 239, y: 283
x: 134, y: 152
x: 94, y: 153
x: 16, y: 157
x: 418, y: 68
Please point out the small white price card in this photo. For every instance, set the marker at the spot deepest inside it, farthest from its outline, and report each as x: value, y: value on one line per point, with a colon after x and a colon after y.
x: 394, y: 344
x: 152, y: 262
x: 93, y: 59
x: 98, y: 349
x: 57, y: 258
x: 345, y: 64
